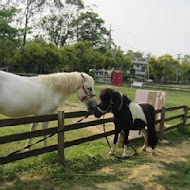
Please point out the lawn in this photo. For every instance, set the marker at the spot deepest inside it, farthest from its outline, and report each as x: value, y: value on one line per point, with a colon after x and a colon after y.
x: 83, y: 161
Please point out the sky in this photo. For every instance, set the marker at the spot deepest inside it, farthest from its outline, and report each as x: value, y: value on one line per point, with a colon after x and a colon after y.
x: 156, y: 26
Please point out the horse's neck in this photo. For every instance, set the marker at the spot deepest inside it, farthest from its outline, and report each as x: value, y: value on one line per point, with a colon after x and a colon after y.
x: 64, y: 84
x: 117, y: 101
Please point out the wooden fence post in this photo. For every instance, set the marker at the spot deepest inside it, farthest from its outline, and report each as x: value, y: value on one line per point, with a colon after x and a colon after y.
x: 185, y: 109
x: 162, y: 119
x: 61, y: 156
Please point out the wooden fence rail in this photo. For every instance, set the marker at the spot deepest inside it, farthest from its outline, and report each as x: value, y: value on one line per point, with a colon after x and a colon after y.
x: 61, y: 116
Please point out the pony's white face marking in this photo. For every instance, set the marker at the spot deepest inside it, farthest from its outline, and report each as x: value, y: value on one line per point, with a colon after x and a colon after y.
x: 137, y: 112
x: 86, y: 92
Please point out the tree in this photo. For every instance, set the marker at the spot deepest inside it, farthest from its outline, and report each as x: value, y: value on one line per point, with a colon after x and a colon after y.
x: 132, y: 54
x: 88, y: 57
x: 126, y: 64
x: 37, y: 57
x: 165, y: 68
x: 9, y: 36
x: 185, y: 69
x: 110, y: 61
x: 153, y: 70
x: 29, y: 10
x: 58, y: 24
x: 89, y: 27
x: 68, y: 58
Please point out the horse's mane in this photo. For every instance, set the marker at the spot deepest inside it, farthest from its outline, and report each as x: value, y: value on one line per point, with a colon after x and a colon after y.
x: 62, y: 82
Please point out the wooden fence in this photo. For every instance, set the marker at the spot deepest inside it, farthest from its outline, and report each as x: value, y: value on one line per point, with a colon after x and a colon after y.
x: 60, y: 118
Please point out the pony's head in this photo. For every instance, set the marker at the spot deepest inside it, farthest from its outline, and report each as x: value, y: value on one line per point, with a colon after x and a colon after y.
x: 86, y: 92
x: 106, y: 102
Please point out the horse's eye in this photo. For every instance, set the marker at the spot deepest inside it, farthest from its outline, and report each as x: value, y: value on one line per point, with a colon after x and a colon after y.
x: 90, y: 88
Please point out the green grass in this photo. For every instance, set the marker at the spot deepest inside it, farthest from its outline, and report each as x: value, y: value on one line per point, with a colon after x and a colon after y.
x: 176, y: 177
x: 83, y: 161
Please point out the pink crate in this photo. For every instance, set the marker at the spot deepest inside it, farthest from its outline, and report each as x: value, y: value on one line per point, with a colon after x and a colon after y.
x: 155, y: 98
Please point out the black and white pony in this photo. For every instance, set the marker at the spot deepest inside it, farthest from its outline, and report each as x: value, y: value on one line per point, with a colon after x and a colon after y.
x: 128, y: 116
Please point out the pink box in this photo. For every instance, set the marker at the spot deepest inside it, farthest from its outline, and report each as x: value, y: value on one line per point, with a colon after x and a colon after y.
x: 155, y: 98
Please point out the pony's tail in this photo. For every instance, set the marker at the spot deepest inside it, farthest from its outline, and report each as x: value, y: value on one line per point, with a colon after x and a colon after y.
x: 152, y: 137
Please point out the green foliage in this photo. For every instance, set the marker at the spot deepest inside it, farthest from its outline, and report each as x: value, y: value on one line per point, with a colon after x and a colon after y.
x: 131, y: 54
x: 177, y: 176
x: 163, y: 68
x: 37, y: 57
x: 9, y: 36
x: 88, y: 57
x: 80, y: 40
x: 185, y: 69
x: 78, y: 3
x: 90, y: 28
x: 68, y: 58
x: 57, y: 28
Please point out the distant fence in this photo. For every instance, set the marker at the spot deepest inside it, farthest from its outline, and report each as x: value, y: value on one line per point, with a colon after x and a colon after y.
x: 60, y: 118
x: 184, y: 88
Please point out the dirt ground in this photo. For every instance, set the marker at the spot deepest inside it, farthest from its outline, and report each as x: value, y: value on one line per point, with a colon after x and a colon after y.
x: 144, y: 174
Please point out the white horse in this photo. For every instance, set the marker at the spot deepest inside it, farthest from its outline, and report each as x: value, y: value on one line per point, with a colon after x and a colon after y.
x: 23, y: 96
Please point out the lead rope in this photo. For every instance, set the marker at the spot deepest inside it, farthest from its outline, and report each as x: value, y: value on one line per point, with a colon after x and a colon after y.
x: 104, y: 128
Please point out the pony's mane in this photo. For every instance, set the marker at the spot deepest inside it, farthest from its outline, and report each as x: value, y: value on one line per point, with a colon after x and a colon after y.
x: 62, y: 82
x: 115, y: 93
x: 107, y: 90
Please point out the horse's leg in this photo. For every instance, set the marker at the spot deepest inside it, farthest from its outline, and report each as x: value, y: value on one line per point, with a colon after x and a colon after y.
x: 33, y: 128
x: 112, y: 151
x: 121, y: 139
x: 126, y: 134
x: 45, y: 126
x: 144, y: 132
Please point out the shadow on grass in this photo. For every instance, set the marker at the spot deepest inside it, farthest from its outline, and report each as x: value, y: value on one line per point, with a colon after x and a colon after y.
x: 177, y: 176
x: 80, y: 170
x: 177, y: 136
x: 77, y: 172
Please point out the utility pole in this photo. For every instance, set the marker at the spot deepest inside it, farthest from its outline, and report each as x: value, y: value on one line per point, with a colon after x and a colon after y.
x: 109, y: 39
x: 179, y: 56
x: 177, y: 69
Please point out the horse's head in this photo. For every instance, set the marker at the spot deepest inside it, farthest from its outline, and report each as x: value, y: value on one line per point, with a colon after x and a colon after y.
x: 86, y: 92
x: 105, y: 103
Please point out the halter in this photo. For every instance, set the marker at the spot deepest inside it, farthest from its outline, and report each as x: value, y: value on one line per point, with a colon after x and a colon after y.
x: 121, y: 104
x: 110, y: 105
x: 87, y: 95
x: 105, y: 111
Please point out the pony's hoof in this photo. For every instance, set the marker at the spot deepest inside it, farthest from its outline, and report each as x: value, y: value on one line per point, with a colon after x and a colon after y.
x: 163, y: 141
x: 28, y: 149
x: 153, y: 154
x: 124, y: 155
x: 111, y: 153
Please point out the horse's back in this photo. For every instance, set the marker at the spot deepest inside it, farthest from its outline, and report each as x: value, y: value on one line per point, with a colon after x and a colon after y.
x: 137, y: 112
x: 19, y: 95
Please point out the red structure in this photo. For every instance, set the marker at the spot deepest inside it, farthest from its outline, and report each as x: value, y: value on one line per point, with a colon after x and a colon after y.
x: 117, y: 77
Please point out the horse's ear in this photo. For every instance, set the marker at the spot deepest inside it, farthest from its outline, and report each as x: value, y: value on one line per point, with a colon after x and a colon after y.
x: 83, y: 77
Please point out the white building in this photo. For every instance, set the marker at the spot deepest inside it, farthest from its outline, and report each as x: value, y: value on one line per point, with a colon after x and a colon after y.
x: 140, y: 66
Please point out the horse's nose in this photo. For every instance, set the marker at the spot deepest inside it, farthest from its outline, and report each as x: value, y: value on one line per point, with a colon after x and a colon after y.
x: 92, y: 105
